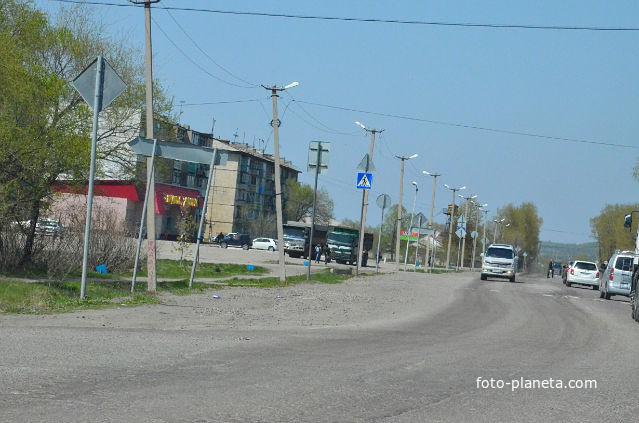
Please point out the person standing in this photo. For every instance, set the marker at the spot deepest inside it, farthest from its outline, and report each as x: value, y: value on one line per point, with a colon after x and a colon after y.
x: 318, y: 253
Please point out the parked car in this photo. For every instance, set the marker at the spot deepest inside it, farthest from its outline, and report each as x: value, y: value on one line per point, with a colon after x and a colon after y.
x: 617, y: 278
x: 265, y: 244
x: 583, y: 273
x: 236, y: 240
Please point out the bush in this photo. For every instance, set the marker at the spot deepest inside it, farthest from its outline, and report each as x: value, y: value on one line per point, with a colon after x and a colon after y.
x: 61, y: 255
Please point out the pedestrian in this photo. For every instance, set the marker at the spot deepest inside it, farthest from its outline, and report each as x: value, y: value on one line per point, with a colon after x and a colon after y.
x: 318, y: 253
x: 364, y: 258
x: 327, y: 254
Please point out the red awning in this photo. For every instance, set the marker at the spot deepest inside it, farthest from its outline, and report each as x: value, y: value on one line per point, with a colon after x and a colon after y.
x: 170, y: 195
x: 102, y: 189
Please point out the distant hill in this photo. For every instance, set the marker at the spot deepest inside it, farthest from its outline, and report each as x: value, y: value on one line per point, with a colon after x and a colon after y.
x: 564, y: 252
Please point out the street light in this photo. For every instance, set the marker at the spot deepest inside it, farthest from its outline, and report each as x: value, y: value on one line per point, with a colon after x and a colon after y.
x: 430, y: 221
x: 450, y: 227
x: 410, y: 226
x: 468, y: 200
x: 369, y: 163
x: 479, y: 207
x: 399, y: 208
x: 275, y: 123
x: 497, y: 223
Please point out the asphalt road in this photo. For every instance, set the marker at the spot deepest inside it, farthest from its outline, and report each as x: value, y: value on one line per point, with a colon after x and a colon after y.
x: 423, y: 367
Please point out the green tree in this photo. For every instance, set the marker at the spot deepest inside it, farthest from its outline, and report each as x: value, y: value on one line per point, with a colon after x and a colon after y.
x: 608, y: 230
x: 44, y: 123
x: 523, y: 230
x: 298, y: 203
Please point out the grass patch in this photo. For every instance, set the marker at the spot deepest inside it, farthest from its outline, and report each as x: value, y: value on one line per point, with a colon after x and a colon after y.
x: 325, y: 277
x: 172, y: 269
x: 62, y: 297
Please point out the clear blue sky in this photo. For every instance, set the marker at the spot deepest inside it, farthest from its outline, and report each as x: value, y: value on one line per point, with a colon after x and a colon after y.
x: 570, y: 84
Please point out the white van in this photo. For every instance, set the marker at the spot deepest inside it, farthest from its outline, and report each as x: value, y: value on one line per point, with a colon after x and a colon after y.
x: 499, y: 261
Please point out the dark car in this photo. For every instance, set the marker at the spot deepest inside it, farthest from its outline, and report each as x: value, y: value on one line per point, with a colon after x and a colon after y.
x: 236, y: 240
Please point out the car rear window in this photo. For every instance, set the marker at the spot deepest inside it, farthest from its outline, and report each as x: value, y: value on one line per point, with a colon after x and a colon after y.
x: 585, y: 266
x: 623, y: 263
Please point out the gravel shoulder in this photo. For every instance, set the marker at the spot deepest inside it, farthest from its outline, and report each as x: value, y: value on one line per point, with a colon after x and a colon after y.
x: 373, y: 301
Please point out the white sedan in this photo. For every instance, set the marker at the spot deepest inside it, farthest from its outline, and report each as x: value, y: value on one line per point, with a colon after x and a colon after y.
x: 265, y: 244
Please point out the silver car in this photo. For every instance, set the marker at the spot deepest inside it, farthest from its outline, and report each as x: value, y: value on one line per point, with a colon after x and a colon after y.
x: 617, y: 278
x: 583, y: 273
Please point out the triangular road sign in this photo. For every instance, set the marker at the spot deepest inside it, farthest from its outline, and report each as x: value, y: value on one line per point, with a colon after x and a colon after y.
x: 364, y: 180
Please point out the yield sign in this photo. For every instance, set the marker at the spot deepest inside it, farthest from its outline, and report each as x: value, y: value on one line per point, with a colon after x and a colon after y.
x: 364, y: 180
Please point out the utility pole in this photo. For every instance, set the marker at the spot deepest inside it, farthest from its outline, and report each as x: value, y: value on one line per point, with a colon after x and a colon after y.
x: 150, y: 217
x: 484, y: 237
x: 399, y: 209
x: 410, y: 225
x: 275, y: 123
x: 365, y: 197
x: 468, y: 199
x: 479, y: 209
x: 450, y: 226
x: 430, y: 221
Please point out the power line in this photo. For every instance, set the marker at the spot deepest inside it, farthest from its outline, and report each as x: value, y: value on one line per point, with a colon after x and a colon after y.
x: 468, y: 126
x: 208, y: 103
x: 375, y: 20
x: 195, y: 63
x: 206, y: 54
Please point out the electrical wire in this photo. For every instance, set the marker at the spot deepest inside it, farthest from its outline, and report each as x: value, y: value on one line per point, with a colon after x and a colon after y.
x: 195, y: 63
x: 250, y: 84
x: 475, y: 127
x: 209, y: 103
x: 374, y: 20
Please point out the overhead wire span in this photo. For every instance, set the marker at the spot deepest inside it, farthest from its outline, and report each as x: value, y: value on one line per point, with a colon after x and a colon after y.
x: 195, y: 63
x: 475, y: 127
x: 251, y: 84
x: 376, y: 20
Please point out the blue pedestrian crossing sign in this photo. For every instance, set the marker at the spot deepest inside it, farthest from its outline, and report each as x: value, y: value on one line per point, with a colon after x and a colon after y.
x: 364, y: 180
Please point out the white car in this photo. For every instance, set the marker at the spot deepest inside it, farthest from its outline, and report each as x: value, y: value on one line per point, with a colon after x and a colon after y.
x: 265, y: 244
x: 583, y: 273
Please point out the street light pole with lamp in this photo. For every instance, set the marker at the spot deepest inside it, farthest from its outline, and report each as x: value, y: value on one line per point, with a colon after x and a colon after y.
x: 410, y: 226
x: 275, y: 123
x: 483, y: 251
x: 399, y: 208
x: 450, y: 226
x: 468, y: 200
x: 365, y: 196
x: 479, y: 210
x: 430, y: 221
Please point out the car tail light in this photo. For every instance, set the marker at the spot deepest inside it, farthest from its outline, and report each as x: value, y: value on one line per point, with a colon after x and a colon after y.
x: 597, y: 275
x: 572, y: 271
x: 612, y: 273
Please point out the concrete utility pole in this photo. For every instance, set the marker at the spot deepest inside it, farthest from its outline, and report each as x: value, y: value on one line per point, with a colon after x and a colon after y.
x: 410, y: 225
x: 275, y: 123
x: 399, y: 209
x: 479, y: 207
x: 430, y: 221
x: 150, y: 217
x: 483, y: 251
x: 468, y: 199
x: 497, y: 223
x: 365, y: 198
x: 450, y: 226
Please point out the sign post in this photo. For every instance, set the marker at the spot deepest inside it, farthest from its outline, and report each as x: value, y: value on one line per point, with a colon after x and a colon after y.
x: 318, y: 156
x: 98, y: 85
x: 364, y: 182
